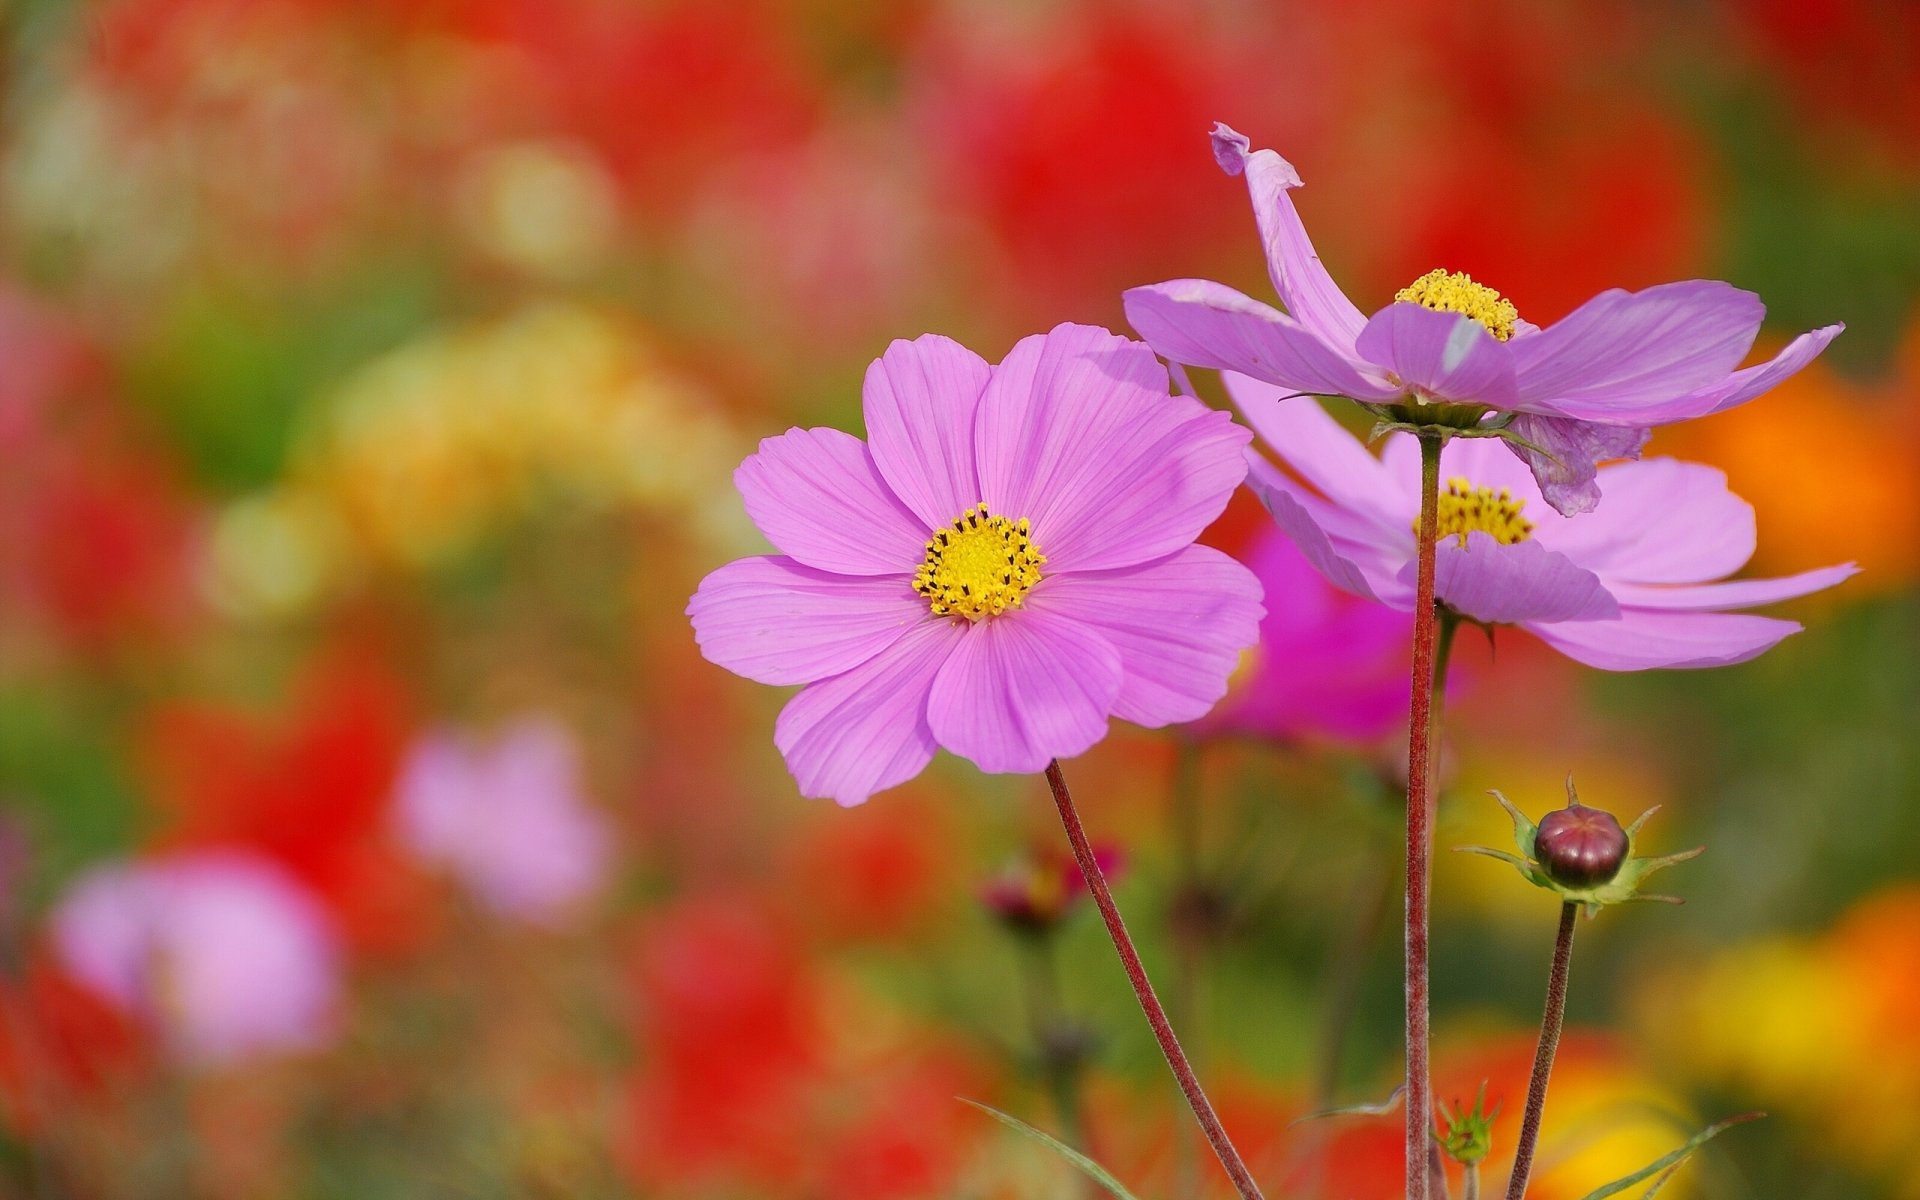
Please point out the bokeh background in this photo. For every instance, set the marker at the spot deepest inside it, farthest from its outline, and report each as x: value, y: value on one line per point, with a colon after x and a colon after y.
x: 371, y: 377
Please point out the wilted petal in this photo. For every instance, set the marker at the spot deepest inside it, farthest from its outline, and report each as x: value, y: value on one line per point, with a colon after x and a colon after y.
x: 777, y: 621
x: 1179, y: 625
x: 1573, y: 450
x: 1206, y: 324
x: 1022, y: 690
x: 1299, y: 279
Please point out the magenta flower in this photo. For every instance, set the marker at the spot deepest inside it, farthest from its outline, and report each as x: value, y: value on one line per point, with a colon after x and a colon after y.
x: 1007, y: 564
x: 223, y: 951
x: 1328, y: 665
x: 508, y: 820
x: 1587, y: 388
x: 1627, y: 587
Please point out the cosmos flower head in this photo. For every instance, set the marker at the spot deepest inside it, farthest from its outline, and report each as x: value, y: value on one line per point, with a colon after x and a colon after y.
x: 1638, y: 583
x: 507, y: 818
x: 222, y: 951
x: 1450, y: 351
x: 1004, y: 565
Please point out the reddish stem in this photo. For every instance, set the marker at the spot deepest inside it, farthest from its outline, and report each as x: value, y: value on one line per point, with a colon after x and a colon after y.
x: 1543, y: 1054
x: 1419, y: 1095
x: 1143, y: 990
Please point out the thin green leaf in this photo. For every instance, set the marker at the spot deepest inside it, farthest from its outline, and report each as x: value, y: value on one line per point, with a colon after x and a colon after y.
x: 1092, y: 1169
x: 1669, y: 1161
x: 1378, y: 1109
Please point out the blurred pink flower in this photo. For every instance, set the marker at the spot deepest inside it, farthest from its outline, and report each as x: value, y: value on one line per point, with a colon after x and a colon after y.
x: 1328, y: 664
x: 223, y: 951
x: 508, y: 819
x: 1587, y: 388
x: 1626, y: 588
x: 1008, y: 563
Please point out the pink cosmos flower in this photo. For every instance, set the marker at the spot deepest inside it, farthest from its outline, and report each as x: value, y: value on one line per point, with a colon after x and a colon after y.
x: 222, y: 950
x: 508, y: 819
x: 1587, y: 388
x: 1625, y: 588
x: 1328, y: 665
x: 1006, y: 564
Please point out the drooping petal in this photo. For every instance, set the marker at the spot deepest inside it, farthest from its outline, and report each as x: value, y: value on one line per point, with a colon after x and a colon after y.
x: 1022, y: 690
x: 850, y: 736
x: 1643, y: 639
x: 1302, y: 283
x: 1624, y: 351
x: 777, y: 621
x: 1179, y: 625
x: 1079, y: 435
x: 1446, y: 355
x: 1737, y: 593
x: 1664, y: 521
x: 1745, y: 384
x: 1207, y: 324
x: 1567, y: 470
x: 817, y: 496
x: 1505, y: 585
x: 1319, y: 449
x: 1340, y: 546
x: 919, y: 399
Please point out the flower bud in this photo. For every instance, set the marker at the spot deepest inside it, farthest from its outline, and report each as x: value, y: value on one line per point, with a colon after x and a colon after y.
x: 1580, y: 847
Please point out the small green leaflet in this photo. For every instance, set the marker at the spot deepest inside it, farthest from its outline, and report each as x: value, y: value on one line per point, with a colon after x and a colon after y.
x: 1669, y: 1162
x: 1093, y: 1170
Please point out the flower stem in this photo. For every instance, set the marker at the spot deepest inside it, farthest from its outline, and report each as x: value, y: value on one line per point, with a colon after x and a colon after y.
x: 1543, y: 1054
x: 1420, y: 731
x: 1203, y: 1112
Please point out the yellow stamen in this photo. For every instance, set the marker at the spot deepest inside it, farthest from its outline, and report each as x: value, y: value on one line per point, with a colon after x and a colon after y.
x: 1454, y: 291
x: 1467, y: 509
x: 979, y: 566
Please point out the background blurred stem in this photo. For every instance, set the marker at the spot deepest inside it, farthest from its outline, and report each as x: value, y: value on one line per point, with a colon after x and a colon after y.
x: 1189, y: 942
x: 1060, y: 1046
x: 1156, y: 1014
x: 1543, y: 1054
x: 1420, y: 732
x: 1345, y: 975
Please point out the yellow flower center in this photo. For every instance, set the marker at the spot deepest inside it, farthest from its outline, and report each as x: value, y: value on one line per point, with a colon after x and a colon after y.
x: 1466, y: 509
x: 979, y: 567
x: 1454, y: 291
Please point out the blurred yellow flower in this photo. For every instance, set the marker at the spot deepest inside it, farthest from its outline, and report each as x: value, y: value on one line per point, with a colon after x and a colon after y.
x: 425, y: 451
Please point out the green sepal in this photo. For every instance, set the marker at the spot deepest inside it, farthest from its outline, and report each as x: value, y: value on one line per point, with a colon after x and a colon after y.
x: 1091, y: 1169
x: 1667, y: 1164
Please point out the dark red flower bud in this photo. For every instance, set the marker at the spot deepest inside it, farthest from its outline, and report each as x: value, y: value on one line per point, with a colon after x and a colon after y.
x: 1580, y: 847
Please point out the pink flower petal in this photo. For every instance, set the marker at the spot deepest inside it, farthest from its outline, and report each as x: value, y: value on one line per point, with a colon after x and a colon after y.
x: 818, y: 497
x: 776, y: 621
x: 1447, y: 356
x: 1505, y: 585
x: 1623, y: 351
x: 1664, y: 521
x: 1022, y: 690
x: 1737, y: 593
x: 1302, y: 283
x: 1179, y: 625
x: 1207, y: 324
x: 1079, y: 435
x: 920, y: 398
x: 1322, y: 452
x: 850, y: 736
x: 1744, y: 385
x: 1643, y: 639
x: 1353, y: 556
